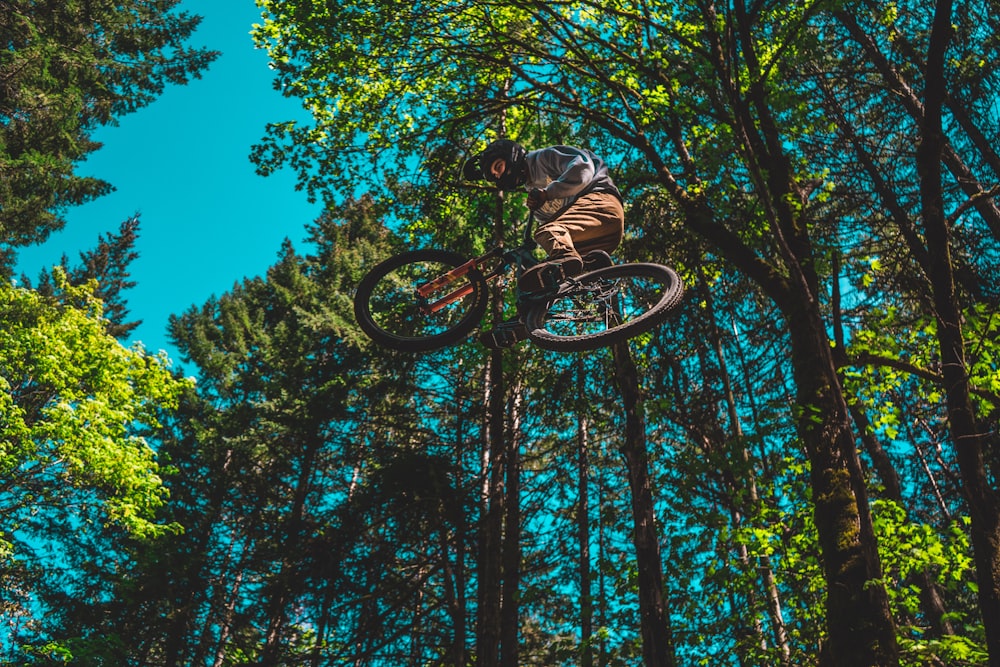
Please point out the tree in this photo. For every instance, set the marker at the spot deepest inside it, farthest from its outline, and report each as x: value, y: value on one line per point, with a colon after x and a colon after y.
x: 966, y: 428
x: 107, y: 264
x: 322, y: 520
x: 66, y: 69
x: 696, y: 88
x: 73, y: 410
x: 935, y: 91
x: 658, y: 645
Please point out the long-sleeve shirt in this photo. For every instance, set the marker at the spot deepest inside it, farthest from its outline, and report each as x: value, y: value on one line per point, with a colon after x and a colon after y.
x: 566, y: 174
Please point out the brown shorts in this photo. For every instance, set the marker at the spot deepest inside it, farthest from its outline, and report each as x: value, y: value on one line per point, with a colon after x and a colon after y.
x: 595, y: 221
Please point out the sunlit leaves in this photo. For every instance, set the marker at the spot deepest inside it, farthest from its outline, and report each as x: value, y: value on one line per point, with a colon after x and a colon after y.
x: 982, y: 331
x: 383, y: 86
x: 911, y: 550
x: 73, y: 403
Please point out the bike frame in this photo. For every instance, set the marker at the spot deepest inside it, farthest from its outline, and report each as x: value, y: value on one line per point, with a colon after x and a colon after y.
x: 521, y: 256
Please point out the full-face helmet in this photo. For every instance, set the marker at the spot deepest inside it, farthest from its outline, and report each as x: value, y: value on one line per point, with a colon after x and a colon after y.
x: 515, y: 171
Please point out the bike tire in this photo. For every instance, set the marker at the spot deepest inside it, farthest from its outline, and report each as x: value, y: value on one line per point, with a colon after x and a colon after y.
x: 604, y: 307
x: 388, y: 309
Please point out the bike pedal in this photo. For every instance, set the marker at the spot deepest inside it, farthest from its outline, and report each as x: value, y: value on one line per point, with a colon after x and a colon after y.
x: 504, y: 335
x: 552, y: 275
x: 539, y: 279
x: 547, y: 277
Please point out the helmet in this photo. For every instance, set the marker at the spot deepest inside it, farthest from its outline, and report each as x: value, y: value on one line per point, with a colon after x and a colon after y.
x: 478, y: 167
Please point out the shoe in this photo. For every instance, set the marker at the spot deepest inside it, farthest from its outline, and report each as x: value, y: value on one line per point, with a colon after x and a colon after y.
x: 571, y: 265
x: 548, y: 275
x: 504, y: 335
x: 597, y: 259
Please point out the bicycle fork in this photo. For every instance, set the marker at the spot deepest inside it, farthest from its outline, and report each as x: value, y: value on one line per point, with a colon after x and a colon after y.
x: 446, y: 279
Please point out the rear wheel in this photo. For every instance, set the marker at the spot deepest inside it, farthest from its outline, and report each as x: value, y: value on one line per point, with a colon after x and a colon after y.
x: 604, y: 307
x: 391, y: 312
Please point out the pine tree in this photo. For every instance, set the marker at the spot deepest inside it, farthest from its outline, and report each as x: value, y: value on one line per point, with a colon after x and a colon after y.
x: 108, y: 265
x: 67, y: 69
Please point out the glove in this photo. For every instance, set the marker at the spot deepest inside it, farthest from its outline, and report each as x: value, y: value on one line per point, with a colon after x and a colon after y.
x: 536, y: 198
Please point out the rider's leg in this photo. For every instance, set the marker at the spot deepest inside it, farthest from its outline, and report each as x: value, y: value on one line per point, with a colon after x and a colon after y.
x: 594, y: 222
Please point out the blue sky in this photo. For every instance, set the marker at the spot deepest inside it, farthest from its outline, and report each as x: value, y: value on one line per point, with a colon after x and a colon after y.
x: 207, y: 220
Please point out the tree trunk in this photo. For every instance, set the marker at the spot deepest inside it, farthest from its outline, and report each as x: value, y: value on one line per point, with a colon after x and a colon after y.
x: 859, y: 621
x: 930, y: 595
x: 583, y: 540
x: 657, y: 641
x: 281, y: 589
x: 860, y: 625
x: 749, y: 482
x: 456, y: 574
x: 968, y: 438
x: 491, y: 525
x: 491, y: 507
x: 510, y: 612
x: 234, y: 596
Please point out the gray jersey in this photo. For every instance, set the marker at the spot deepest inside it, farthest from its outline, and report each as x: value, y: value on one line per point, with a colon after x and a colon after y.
x: 566, y: 174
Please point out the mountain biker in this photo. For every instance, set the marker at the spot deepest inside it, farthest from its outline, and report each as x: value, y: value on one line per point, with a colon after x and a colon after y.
x: 577, y: 205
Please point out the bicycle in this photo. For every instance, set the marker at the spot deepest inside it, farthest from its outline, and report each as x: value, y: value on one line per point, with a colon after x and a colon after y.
x: 423, y: 300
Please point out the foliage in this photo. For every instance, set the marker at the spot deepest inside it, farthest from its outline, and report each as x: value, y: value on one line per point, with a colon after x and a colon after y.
x: 107, y: 264
x: 74, y: 463
x: 347, y: 504
x: 73, y: 397
x: 68, y: 68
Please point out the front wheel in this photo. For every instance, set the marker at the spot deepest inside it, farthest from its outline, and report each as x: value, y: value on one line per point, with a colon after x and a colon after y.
x: 411, y: 302
x: 603, y: 307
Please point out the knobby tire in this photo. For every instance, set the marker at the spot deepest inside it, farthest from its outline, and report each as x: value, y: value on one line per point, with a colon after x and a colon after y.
x: 604, y: 307
x: 388, y: 309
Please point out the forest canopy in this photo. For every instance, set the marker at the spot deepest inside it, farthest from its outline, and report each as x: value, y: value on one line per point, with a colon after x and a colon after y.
x: 798, y: 468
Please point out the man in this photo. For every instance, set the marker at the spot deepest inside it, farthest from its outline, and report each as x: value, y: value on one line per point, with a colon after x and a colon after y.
x: 575, y: 202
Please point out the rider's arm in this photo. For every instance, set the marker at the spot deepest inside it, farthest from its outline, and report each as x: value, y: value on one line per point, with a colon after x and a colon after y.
x: 561, y: 171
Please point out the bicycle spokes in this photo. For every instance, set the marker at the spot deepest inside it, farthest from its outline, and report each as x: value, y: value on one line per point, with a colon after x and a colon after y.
x: 604, y: 306
x: 422, y: 299
x: 584, y: 307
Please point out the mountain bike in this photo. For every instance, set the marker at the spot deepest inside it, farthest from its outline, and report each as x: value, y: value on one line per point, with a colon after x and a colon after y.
x: 423, y: 300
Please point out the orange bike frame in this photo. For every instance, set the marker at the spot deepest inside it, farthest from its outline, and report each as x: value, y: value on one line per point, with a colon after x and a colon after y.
x: 445, y: 279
